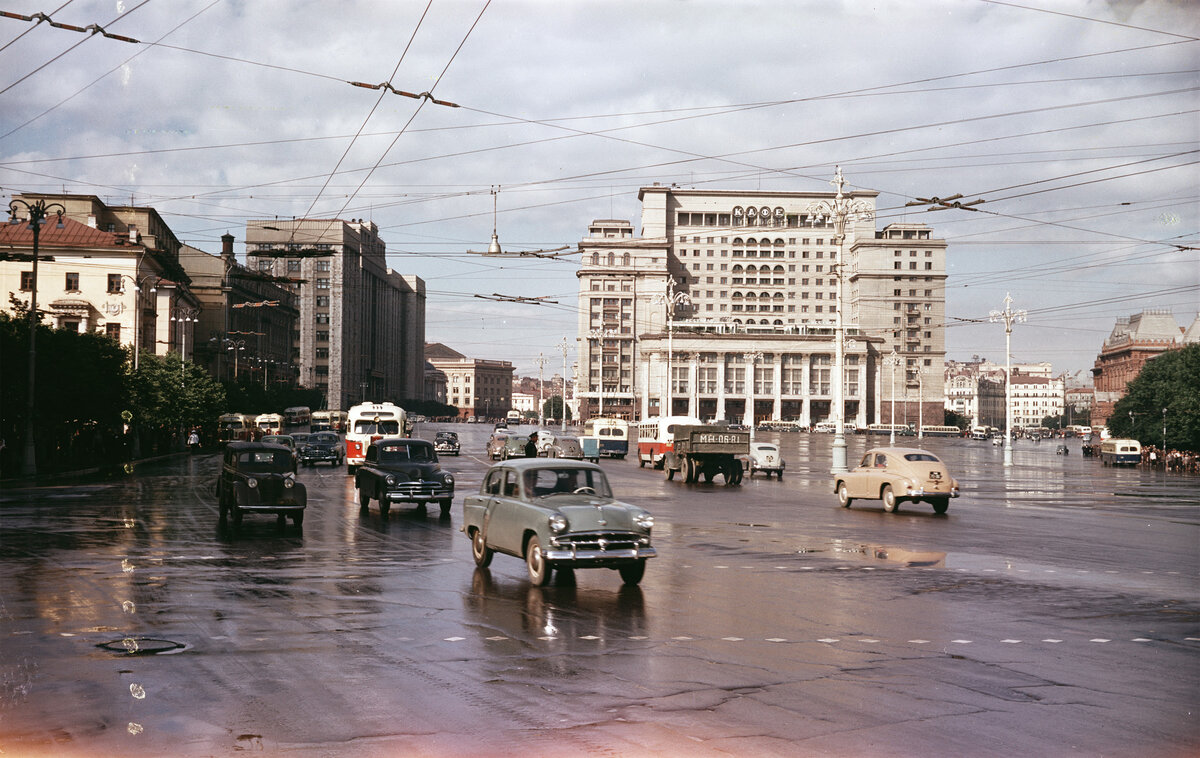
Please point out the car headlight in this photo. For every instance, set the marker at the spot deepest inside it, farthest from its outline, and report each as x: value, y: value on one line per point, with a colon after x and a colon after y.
x: 288, y: 482
x: 390, y: 479
x: 448, y: 479
x: 558, y: 523
x: 643, y: 520
x: 251, y: 482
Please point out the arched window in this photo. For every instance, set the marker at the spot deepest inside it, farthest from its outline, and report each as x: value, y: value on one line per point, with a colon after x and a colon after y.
x: 595, y: 259
x: 778, y: 322
x: 766, y: 295
x: 625, y: 260
x: 778, y: 295
x: 751, y: 269
x: 612, y: 259
x: 779, y: 269
x: 737, y: 268
x: 737, y: 295
x: 778, y: 242
x: 737, y: 240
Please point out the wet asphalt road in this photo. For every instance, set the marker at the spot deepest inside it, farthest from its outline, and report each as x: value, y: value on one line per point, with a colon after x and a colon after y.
x: 1053, y: 611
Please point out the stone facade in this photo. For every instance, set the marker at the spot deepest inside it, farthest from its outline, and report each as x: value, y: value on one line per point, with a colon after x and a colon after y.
x: 1134, y: 340
x: 361, y: 334
x: 478, y: 388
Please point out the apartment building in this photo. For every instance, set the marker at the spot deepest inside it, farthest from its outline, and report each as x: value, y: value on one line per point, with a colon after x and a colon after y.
x: 361, y: 328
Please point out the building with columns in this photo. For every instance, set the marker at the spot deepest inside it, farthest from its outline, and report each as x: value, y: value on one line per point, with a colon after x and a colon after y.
x: 737, y: 292
x: 1134, y: 341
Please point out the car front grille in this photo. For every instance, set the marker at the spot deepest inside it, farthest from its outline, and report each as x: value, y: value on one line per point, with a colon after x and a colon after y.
x: 599, y: 543
x: 419, y: 489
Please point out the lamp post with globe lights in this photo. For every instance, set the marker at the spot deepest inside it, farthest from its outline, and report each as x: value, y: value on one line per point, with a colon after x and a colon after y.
x: 893, y: 360
x: 840, y: 210
x: 1009, y: 317
x: 600, y: 335
x: 671, y: 299
x: 37, y: 212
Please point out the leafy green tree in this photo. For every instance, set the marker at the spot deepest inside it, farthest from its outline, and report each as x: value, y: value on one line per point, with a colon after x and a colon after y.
x: 78, y: 397
x: 553, y: 408
x: 1168, y: 388
x: 954, y: 418
x: 168, y: 396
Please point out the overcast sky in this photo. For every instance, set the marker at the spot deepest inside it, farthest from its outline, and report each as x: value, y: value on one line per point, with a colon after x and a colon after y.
x: 1076, y: 122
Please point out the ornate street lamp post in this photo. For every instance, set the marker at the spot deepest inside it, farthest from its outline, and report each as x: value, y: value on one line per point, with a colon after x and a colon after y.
x: 752, y: 358
x: 840, y: 210
x: 672, y: 300
x: 138, y: 284
x: 893, y: 360
x: 37, y: 216
x: 183, y: 317
x: 563, y: 346
x: 1009, y: 317
x: 601, y: 335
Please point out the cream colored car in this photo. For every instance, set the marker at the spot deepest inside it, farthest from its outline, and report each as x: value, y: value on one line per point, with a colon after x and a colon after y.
x: 895, y: 474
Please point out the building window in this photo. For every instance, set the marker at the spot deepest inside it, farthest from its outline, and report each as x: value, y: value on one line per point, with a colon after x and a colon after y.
x: 322, y: 318
x: 322, y: 284
x: 322, y: 265
x: 293, y: 266
x: 72, y: 283
x: 113, y: 331
x: 323, y: 353
x: 322, y: 301
x: 27, y: 281
x: 114, y: 284
x: 322, y: 336
x: 266, y: 264
x: 322, y: 370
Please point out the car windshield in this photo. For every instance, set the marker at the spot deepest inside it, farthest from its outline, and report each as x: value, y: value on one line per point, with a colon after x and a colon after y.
x: 378, y: 426
x: 265, y: 461
x: 405, y: 452
x: 447, y: 436
x: 323, y: 439
x: 921, y: 457
x: 550, y: 482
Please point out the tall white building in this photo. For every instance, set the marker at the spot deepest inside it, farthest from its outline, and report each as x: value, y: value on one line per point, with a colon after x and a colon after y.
x: 753, y: 338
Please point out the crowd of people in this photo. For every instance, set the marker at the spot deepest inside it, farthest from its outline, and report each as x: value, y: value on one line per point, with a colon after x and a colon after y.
x: 1174, y: 461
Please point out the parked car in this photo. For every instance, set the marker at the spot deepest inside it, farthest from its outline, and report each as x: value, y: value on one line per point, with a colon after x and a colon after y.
x: 496, y: 444
x: 544, y: 441
x: 896, y: 474
x: 403, y: 470
x: 558, y: 516
x: 446, y: 443
x: 259, y: 477
x: 323, y: 447
x: 301, y: 439
x: 285, y: 440
x: 765, y: 457
x: 564, y: 446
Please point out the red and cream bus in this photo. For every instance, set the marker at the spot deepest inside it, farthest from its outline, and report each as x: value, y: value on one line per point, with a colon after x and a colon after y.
x: 656, y: 437
x: 297, y: 416
x: 234, y: 427
x: 367, y: 423
x: 333, y: 421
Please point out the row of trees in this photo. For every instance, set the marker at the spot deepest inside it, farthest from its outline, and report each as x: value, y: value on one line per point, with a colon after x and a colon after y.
x: 1165, y: 394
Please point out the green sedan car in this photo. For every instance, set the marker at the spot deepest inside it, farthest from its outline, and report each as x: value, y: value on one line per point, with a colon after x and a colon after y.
x: 556, y: 515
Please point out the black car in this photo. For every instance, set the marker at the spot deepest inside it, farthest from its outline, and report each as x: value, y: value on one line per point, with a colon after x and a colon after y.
x: 322, y: 447
x: 403, y: 470
x: 446, y: 443
x: 259, y: 477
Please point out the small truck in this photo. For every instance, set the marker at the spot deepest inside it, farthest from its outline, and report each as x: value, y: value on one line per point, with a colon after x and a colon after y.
x: 705, y: 451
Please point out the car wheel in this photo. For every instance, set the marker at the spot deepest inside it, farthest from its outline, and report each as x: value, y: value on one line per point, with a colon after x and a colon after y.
x: 889, y: 498
x: 779, y: 475
x: 668, y: 471
x: 479, y: 550
x: 633, y: 573
x: 641, y: 462
x: 236, y: 514
x: 689, y: 470
x: 364, y: 498
x: 940, y: 505
x: 298, y: 518
x: 843, y: 495
x: 535, y: 562
x: 445, y: 508
x: 384, y: 508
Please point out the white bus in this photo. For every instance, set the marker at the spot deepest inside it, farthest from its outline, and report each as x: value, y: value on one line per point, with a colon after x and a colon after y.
x: 367, y: 423
x: 333, y: 421
x: 611, y: 435
x: 269, y: 423
x: 656, y: 436
x: 299, y: 415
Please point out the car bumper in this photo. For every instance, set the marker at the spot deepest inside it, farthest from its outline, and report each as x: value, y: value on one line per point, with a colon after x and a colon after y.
x: 592, y: 550
x: 921, y: 492
x: 282, y: 507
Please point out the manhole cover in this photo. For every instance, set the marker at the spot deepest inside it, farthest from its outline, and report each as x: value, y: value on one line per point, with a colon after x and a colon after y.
x: 140, y: 646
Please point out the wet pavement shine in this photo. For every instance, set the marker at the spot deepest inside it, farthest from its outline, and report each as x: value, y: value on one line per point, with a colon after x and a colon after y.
x: 1053, y: 611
